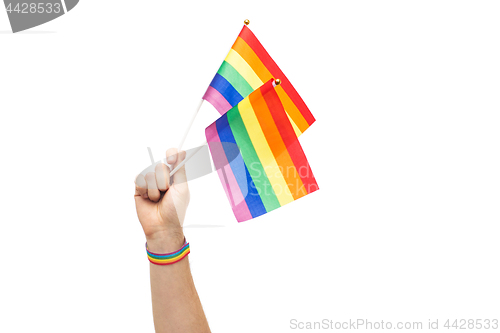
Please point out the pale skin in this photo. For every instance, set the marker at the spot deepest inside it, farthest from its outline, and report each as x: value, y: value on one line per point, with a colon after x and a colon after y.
x: 161, y: 208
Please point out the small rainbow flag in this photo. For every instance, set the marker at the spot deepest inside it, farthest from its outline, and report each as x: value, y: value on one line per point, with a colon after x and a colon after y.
x: 246, y: 67
x: 257, y: 155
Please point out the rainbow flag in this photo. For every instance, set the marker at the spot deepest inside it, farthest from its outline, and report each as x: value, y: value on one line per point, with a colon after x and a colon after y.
x: 257, y: 155
x: 246, y: 67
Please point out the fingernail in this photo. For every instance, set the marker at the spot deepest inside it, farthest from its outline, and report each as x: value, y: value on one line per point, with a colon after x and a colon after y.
x: 171, y: 159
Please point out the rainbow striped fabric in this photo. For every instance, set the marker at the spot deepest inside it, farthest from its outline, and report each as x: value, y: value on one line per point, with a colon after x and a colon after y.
x: 246, y: 67
x: 257, y: 155
x: 168, y: 258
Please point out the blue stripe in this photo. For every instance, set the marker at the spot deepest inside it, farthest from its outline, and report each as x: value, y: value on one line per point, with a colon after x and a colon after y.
x: 167, y: 256
x: 253, y: 200
x: 240, y: 171
x: 225, y: 88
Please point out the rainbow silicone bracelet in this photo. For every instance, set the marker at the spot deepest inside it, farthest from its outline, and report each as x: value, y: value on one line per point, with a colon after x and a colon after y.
x: 168, y: 258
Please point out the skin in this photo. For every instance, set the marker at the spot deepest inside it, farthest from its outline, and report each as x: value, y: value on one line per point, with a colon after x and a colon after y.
x: 161, y: 208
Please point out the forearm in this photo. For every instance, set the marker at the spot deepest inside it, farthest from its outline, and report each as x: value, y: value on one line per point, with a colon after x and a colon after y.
x: 176, y: 305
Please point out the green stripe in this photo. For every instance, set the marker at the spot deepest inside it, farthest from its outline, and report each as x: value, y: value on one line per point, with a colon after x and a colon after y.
x: 252, y: 161
x: 237, y: 81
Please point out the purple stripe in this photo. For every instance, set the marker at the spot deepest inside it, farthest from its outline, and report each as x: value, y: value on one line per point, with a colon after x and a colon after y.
x: 217, y: 100
x: 233, y: 191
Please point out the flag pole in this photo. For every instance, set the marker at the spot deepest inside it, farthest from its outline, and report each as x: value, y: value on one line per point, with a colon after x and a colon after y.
x: 190, y: 124
x: 151, y: 156
x: 180, y: 165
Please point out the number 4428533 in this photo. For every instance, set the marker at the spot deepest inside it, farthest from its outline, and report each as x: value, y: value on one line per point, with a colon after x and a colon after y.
x: 464, y: 324
x: 33, y: 8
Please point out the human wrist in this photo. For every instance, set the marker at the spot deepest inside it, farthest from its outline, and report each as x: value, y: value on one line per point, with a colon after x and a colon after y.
x: 164, y: 242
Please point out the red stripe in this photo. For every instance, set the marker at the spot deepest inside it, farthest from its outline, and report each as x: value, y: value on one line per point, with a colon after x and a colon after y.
x: 247, y: 35
x: 290, y: 140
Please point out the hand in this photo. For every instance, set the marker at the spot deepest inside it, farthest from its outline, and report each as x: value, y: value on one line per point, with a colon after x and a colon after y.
x: 161, y: 207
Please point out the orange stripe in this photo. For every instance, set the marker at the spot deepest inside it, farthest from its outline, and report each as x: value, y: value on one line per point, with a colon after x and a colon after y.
x: 252, y: 59
x: 280, y: 152
x: 292, y: 110
x: 246, y: 52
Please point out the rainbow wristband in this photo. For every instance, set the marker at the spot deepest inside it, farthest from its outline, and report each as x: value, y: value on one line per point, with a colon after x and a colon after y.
x: 168, y: 258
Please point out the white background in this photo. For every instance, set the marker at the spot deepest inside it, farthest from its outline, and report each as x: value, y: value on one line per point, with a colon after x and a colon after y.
x: 405, y: 149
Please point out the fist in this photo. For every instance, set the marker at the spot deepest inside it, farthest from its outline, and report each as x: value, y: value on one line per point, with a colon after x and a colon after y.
x: 161, y: 202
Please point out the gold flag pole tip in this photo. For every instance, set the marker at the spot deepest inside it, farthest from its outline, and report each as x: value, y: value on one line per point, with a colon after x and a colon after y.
x: 247, y: 22
x: 277, y: 82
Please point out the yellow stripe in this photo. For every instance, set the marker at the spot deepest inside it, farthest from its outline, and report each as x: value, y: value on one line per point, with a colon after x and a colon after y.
x: 295, y: 128
x: 265, y: 154
x: 168, y: 261
x: 235, y: 60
